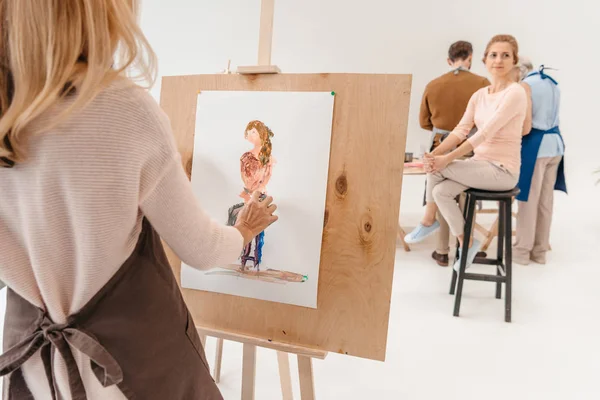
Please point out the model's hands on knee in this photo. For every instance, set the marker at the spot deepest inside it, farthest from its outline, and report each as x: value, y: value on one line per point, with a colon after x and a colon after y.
x: 439, y: 163
x: 256, y: 216
x: 428, y: 159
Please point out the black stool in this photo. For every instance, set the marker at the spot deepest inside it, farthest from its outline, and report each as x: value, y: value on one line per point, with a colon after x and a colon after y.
x: 504, y: 261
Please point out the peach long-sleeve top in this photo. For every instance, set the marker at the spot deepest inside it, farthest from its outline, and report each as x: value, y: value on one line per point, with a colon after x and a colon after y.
x: 71, y: 214
x: 499, y: 118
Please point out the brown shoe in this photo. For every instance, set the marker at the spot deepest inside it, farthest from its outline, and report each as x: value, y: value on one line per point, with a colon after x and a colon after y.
x: 440, y: 259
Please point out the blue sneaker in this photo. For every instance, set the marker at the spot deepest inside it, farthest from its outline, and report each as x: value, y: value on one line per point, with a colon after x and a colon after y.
x: 470, y: 255
x: 421, y: 232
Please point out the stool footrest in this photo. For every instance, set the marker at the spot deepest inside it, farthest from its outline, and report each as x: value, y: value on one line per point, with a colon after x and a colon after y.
x: 485, y: 278
x: 487, y: 261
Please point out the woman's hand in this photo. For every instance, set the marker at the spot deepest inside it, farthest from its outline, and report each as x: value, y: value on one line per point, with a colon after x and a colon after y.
x: 428, y: 162
x: 441, y: 162
x: 255, y: 217
x: 435, y: 163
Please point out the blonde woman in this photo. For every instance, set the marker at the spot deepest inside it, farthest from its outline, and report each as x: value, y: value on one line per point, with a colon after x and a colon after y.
x: 91, y: 177
x: 498, y: 111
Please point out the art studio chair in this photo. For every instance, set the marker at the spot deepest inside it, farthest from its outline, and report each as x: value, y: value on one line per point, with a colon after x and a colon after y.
x: 503, y: 262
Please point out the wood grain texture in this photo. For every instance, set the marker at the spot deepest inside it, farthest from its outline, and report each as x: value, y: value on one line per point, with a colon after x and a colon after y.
x: 360, y: 221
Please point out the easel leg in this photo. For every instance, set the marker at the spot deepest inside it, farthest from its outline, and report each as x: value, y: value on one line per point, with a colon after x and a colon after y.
x: 285, y: 375
x: 307, y: 384
x: 493, y: 232
x: 401, y: 235
x: 248, y: 372
x: 218, y: 359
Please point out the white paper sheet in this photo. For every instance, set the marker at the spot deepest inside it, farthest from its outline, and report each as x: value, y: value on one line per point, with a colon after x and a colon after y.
x: 301, y: 123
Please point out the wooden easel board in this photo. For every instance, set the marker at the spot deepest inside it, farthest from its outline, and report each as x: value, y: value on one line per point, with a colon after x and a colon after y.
x: 360, y: 222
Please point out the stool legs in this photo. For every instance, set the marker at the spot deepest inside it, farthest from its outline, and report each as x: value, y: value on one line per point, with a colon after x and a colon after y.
x: 501, y: 238
x: 454, y: 279
x: 508, y: 261
x: 454, y: 273
x: 470, y: 206
x: 503, y: 263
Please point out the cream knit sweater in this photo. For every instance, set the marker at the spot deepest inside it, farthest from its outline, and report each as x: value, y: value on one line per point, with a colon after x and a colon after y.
x: 71, y: 214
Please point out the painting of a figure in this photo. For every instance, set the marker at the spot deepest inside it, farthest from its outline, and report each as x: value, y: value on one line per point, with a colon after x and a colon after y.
x: 248, y: 142
x: 256, y: 167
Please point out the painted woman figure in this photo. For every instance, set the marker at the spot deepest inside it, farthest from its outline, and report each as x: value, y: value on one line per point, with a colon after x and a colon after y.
x: 256, y: 168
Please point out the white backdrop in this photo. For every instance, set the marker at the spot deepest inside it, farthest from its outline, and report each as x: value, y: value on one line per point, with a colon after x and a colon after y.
x: 391, y: 36
x: 399, y: 36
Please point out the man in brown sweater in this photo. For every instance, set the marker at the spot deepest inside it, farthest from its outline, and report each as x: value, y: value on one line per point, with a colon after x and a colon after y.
x: 443, y: 105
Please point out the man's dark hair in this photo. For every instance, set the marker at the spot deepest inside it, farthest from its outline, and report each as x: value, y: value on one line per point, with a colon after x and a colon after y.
x: 460, y: 50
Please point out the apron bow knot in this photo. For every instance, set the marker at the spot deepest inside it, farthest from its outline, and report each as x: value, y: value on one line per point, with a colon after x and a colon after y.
x: 50, y: 330
x: 50, y: 337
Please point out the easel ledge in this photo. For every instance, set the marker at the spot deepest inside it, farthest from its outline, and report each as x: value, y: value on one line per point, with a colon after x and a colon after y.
x: 259, y: 69
x: 284, y: 347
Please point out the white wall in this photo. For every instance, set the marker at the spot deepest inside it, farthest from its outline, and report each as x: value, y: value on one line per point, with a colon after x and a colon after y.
x: 393, y: 36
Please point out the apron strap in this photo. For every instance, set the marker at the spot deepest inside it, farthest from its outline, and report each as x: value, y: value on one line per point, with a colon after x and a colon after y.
x: 105, y: 367
x: 544, y: 76
x: 50, y: 337
x: 47, y: 359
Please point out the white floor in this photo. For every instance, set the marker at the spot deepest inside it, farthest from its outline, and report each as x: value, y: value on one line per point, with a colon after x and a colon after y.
x: 551, y: 350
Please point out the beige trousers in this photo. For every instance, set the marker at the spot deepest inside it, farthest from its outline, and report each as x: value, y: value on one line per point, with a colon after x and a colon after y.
x: 535, y: 215
x: 443, y: 238
x: 445, y: 185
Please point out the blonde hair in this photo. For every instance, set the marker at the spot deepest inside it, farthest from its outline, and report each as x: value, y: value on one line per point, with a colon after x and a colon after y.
x: 516, y: 73
x: 504, y: 39
x: 525, y: 66
x: 50, y: 49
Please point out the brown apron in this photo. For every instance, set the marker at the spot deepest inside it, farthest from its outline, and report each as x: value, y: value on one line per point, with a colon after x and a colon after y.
x: 136, y: 330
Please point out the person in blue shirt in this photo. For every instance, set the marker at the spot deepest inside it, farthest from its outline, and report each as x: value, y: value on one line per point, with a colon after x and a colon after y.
x: 542, y: 167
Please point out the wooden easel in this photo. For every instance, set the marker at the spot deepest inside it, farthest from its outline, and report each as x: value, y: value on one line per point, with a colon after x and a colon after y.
x: 305, y: 355
x: 265, y: 42
x: 401, y: 236
x: 490, y: 234
x: 358, y: 245
x: 409, y: 170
